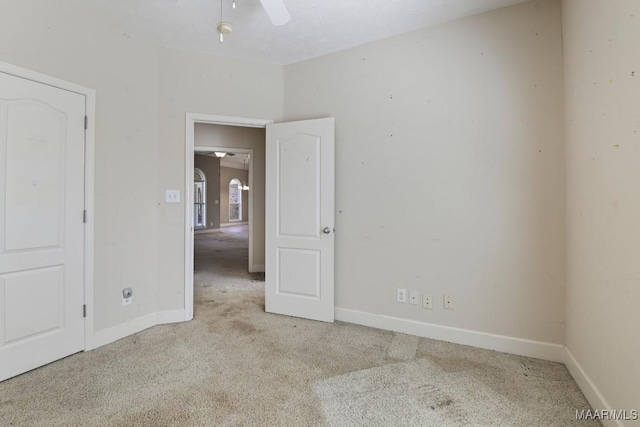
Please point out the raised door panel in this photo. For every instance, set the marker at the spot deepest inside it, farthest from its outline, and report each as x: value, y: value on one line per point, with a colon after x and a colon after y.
x: 299, y: 186
x: 34, y: 199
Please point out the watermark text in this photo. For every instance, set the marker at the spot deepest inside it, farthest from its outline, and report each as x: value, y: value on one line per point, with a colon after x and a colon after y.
x: 607, y: 414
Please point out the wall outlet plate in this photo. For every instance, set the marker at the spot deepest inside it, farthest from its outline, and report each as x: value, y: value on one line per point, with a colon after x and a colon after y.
x: 448, y: 302
x: 401, y: 295
x: 414, y: 297
x: 127, y: 296
x: 427, y: 301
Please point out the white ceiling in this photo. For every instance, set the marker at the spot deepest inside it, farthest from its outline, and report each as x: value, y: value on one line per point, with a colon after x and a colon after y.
x: 239, y: 161
x: 316, y: 27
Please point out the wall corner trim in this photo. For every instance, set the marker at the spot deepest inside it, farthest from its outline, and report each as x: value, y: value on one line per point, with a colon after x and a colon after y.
x: 588, y: 388
x: 502, y: 343
x: 256, y: 268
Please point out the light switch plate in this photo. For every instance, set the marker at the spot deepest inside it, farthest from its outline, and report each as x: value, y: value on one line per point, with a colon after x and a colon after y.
x: 173, y: 196
x: 401, y: 295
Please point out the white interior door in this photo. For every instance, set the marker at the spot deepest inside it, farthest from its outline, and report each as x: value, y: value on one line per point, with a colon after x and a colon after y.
x: 300, y: 219
x: 41, y: 224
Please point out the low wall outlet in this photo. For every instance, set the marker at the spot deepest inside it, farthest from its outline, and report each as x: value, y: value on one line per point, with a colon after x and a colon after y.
x: 427, y: 301
x: 414, y: 297
x: 127, y: 296
x: 401, y: 295
x: 448, y: 302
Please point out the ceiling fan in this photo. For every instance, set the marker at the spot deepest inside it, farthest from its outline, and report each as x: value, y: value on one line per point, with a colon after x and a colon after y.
x: 275, y: 9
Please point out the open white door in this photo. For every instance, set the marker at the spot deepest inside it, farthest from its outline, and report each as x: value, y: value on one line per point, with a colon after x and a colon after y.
x: 41, y: 224
x: 300, y: 219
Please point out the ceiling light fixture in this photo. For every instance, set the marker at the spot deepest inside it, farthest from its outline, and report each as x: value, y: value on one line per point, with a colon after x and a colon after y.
x: 220, y: 154
x: 224, y: 27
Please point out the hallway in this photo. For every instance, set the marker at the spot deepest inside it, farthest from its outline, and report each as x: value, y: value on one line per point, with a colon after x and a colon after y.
x: 221, y: 258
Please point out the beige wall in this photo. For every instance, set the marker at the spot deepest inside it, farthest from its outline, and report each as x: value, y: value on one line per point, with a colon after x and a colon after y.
x: 200, y: 84
x: 226, y: 175
x: 211, y: 168
x: 143, y: 93
x: 449, y: 169
x: 208, y: 135
x: 602, y: 96
x: 61, y: 39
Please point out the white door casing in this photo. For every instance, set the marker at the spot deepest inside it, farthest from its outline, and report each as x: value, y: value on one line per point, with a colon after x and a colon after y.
x: 300, y: 219
x: 42, y: 137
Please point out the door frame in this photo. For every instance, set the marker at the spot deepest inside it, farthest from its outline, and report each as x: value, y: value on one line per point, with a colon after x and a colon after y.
x: 190, y: 149
x: 89, y: 174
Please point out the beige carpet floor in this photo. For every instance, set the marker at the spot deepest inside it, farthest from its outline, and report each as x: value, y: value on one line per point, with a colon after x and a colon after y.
x: 235, y: 365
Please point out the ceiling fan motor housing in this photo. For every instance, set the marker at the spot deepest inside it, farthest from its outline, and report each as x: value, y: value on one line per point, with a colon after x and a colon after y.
x: 225, y: 27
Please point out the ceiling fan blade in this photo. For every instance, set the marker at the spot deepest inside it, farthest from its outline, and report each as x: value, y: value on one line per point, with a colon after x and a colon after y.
x: 277, y: 11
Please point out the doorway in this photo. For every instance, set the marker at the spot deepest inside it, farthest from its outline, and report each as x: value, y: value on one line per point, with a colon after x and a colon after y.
x: 221, y: 242
x: 301, y: 221
x: 244, y: 138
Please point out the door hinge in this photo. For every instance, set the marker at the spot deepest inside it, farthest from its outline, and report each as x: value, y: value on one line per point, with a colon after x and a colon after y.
x: 84, y: 310
x: 84, y: 216
x: 86, y: 122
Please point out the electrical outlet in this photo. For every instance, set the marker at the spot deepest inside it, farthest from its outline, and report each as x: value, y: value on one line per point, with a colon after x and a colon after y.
x: 414, y: 297
x: 448, y: 302
x: 401, y: 295
x: 427, y: 301
x: 127, y: 296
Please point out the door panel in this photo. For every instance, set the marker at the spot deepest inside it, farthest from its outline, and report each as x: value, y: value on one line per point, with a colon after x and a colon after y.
x: 41, y: 227
x: 299, y: 186
x: 34, y: 196
x: 299, y: 272
x: 32, y: 292
x: 299, y: 207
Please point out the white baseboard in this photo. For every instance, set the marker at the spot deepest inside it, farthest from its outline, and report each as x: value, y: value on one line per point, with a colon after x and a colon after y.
x: 170, y: 316
x: 506, y: 344
x: 206, y: 230
x: 109, y: 335
x: 232, y: 224
x: 588, y: 388
x: 256, y: 268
